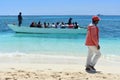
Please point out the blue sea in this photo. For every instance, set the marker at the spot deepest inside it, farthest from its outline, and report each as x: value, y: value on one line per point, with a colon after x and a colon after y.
x: 59, y: 44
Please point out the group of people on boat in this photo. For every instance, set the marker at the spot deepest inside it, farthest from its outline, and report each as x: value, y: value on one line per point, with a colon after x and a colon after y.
x: 54, y: 25
x: 70, y: 24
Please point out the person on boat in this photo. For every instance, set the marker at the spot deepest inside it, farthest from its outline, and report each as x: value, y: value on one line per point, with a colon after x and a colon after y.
x: 70, y: 21
x: 48, y: 25
x: 53, y: 25
x: 33, y: 24
x: 76, y: 25
x: 58, y: 25
x: 92, y: 42
x: 19, y: 19
x: 45, y: 25
x: 39, y: 24
x: 62, y: 25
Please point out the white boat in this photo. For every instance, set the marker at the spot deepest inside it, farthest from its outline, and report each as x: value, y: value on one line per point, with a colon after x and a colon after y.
x: 26, y: 29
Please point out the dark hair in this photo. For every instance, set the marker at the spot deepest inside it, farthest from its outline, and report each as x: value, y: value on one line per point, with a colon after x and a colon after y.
x: 20, y: 13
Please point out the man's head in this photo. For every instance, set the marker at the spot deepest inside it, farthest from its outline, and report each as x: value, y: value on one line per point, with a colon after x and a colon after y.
x: 20, y: 13
x: 95, y: 19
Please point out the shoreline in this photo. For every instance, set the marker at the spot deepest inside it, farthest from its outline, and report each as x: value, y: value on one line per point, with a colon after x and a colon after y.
x: 50, y: 67
x: 55, y: 59
x: 52, y: 59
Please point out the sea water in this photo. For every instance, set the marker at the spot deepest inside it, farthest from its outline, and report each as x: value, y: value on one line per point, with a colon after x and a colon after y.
x: 12, y: 43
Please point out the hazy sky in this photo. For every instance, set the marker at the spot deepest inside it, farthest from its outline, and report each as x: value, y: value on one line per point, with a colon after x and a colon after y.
x: 60, y: 7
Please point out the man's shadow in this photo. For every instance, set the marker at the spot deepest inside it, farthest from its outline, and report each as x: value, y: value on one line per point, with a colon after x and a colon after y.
x: 93, y: 72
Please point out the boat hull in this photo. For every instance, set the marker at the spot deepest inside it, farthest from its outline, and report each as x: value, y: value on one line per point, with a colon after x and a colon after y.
x: 25, y: 29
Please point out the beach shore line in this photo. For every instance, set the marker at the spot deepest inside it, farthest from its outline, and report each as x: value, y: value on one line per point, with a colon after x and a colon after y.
x: 55, y: 68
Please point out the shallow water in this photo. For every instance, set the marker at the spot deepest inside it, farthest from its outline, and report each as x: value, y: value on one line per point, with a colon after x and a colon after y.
x: 59, y: 44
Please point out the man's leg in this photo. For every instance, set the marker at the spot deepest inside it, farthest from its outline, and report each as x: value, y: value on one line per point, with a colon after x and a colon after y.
x: 96, y: 57
x: 89, y: 57
x: 89, y: 60
x: 92, y: 58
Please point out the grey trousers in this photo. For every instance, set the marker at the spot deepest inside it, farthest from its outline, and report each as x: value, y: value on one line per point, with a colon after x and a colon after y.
x: 93, y: 55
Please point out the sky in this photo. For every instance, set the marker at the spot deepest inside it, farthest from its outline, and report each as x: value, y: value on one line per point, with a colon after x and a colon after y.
x: 60, y: 7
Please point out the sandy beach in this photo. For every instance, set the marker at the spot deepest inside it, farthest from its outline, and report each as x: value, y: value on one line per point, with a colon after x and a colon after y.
x: 55, y: 68
x: 54, y: 47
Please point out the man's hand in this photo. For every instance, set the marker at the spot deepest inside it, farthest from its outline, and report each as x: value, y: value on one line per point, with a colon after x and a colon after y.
x: 98, y: 47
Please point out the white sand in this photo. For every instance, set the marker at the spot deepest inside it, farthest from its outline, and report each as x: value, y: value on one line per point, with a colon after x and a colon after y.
x: 55, y: 68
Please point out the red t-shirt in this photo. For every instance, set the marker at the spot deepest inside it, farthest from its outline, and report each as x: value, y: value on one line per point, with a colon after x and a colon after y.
x: 92, y: 38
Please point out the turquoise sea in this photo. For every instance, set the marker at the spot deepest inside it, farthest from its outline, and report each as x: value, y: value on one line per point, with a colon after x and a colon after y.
x: 59, y: 44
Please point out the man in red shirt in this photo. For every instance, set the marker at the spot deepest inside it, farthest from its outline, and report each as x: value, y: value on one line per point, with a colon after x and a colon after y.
x: 92, y: 42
